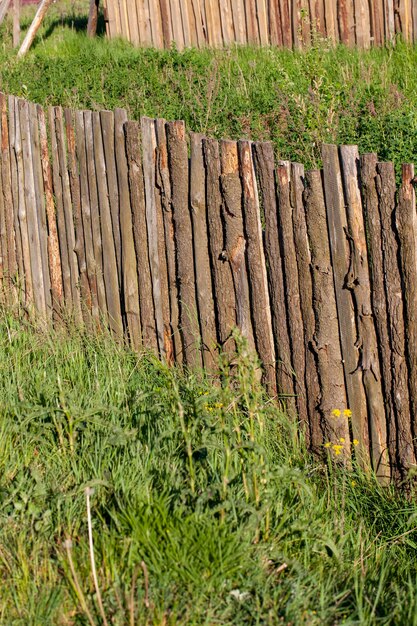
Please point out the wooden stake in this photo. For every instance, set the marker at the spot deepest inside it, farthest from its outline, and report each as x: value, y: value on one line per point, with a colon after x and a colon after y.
x: 34, y: 27
x: 16, y: 23
x: 92, y: 17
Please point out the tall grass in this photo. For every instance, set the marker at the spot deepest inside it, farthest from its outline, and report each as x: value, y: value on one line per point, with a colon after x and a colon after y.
x: 205, y: 506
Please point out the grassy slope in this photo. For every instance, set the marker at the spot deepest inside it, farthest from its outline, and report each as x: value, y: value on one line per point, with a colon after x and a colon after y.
x: 206, y: 484
x: 298, y: 100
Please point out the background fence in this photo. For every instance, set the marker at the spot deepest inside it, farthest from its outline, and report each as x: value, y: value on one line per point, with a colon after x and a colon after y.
x: 288, y: 23
x: 173, y: 239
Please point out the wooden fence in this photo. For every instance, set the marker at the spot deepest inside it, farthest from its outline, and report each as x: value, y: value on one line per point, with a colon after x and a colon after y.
x: 287, y: 23
x: 174, y: 239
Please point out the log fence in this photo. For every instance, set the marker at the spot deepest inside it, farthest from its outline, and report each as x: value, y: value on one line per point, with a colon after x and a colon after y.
x: 171, y: 240
x: 283, y: 23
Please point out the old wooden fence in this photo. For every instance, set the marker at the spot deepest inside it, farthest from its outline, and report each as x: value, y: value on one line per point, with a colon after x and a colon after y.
x: 173, y: 239
x: 288, y: 23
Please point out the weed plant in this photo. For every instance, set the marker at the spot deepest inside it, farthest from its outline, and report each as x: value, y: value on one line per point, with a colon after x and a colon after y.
x: 205, y: 506
x: 296, y: 99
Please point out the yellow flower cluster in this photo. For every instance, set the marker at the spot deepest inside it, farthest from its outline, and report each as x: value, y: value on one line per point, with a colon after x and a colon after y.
x: 213, y: 407
x: 338, y: 447
x: 338, y: 413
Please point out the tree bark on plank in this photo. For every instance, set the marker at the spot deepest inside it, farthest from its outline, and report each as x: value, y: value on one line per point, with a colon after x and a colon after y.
x: 326, y: 339
x: 137, y: 199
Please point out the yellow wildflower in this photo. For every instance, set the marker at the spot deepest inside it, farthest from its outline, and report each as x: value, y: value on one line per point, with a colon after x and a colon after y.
x: 355, y: 442
x: 347, y: 413
x: 327, y: 444
x: 342, y: 440
x: 337, y: 449
x: 336, y: 412
x: 353, y: 483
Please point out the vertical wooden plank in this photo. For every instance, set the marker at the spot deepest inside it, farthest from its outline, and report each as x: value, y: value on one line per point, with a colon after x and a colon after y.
x: 197, y: 14
x: 406, y: 222
x: 144, y: 22
x: 235, y: 241
x: 164, y: 186
x: 346, y: 22
x: 214, y: 32
x: 286, y: 23
x: 15, y: 189
x: 303, y: 256
x: 31, y: 209
x: 362, y: 24
x: 178, y: 166
x: 40, y: 202
x: 265, y: 169
x: 400, y: 444
x: 186, y: 26
x: 95, y: 215
x: 74, y: 180
x: 148, y: 134
x: 337, y: 224
x: 291, y: 284
x: 262, y: 19
x: 389, y: 20
x: 357, y: 281
x: 222, y: 277
x: 166, y: 21
x: 22, y: 211
x: 251, y: 22
x: 129, y: 269
x: 386, y: 190
x: 326, y: 339
x: 133, y: 23
x: 239, y: 20
x: 4, y: 271
x: 331, y: 20
x: 261, y: 310
x: 226, y: 18
x: 201, y: 252
x: 156, y: 24
x: 67, y: 209
x: 111, y: 283
x: 86, y: 211
x: 54, y: 257
x: 275, y: 30
x: 296, y: 23
x: 137, y: 199
x: 6, y: 185
x: 107, y: 126
x: 177, y: 29
x: 60, y: 216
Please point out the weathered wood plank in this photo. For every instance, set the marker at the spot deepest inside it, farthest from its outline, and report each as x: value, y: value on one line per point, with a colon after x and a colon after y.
x: 326, y: 339
x: 6, y: 184
x: 291, y: 284
x: 222, y: 276
x: 137, y: 199
x: 148, y: 134
x: 337, y: 225
x: 111, y: 283
x: 86, y: 211
x: 398, y: 370
x: 358, y: 282
x: 178, y: 166
x: 74, y: 180
x: 235, y: 241
x: 406, y: 223
x: 265, y: 170
x: 201, y: 252
x: 129, y: 269
x: 303, y: 256
x: 163, y: 182
x: 54, y: 257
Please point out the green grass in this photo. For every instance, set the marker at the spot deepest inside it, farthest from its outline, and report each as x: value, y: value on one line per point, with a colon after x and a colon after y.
x: 297, y: 99
x: 207, y: 484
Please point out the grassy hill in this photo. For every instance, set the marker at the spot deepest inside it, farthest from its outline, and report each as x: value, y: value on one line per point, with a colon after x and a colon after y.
x: 297, y: 99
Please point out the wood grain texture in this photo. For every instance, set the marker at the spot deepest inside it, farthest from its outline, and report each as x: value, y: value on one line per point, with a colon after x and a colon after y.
x: 260, y: 306
x: 326, y: 339
x: 178, y: 167
x: 339, y: 248
x: 358, y: 282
